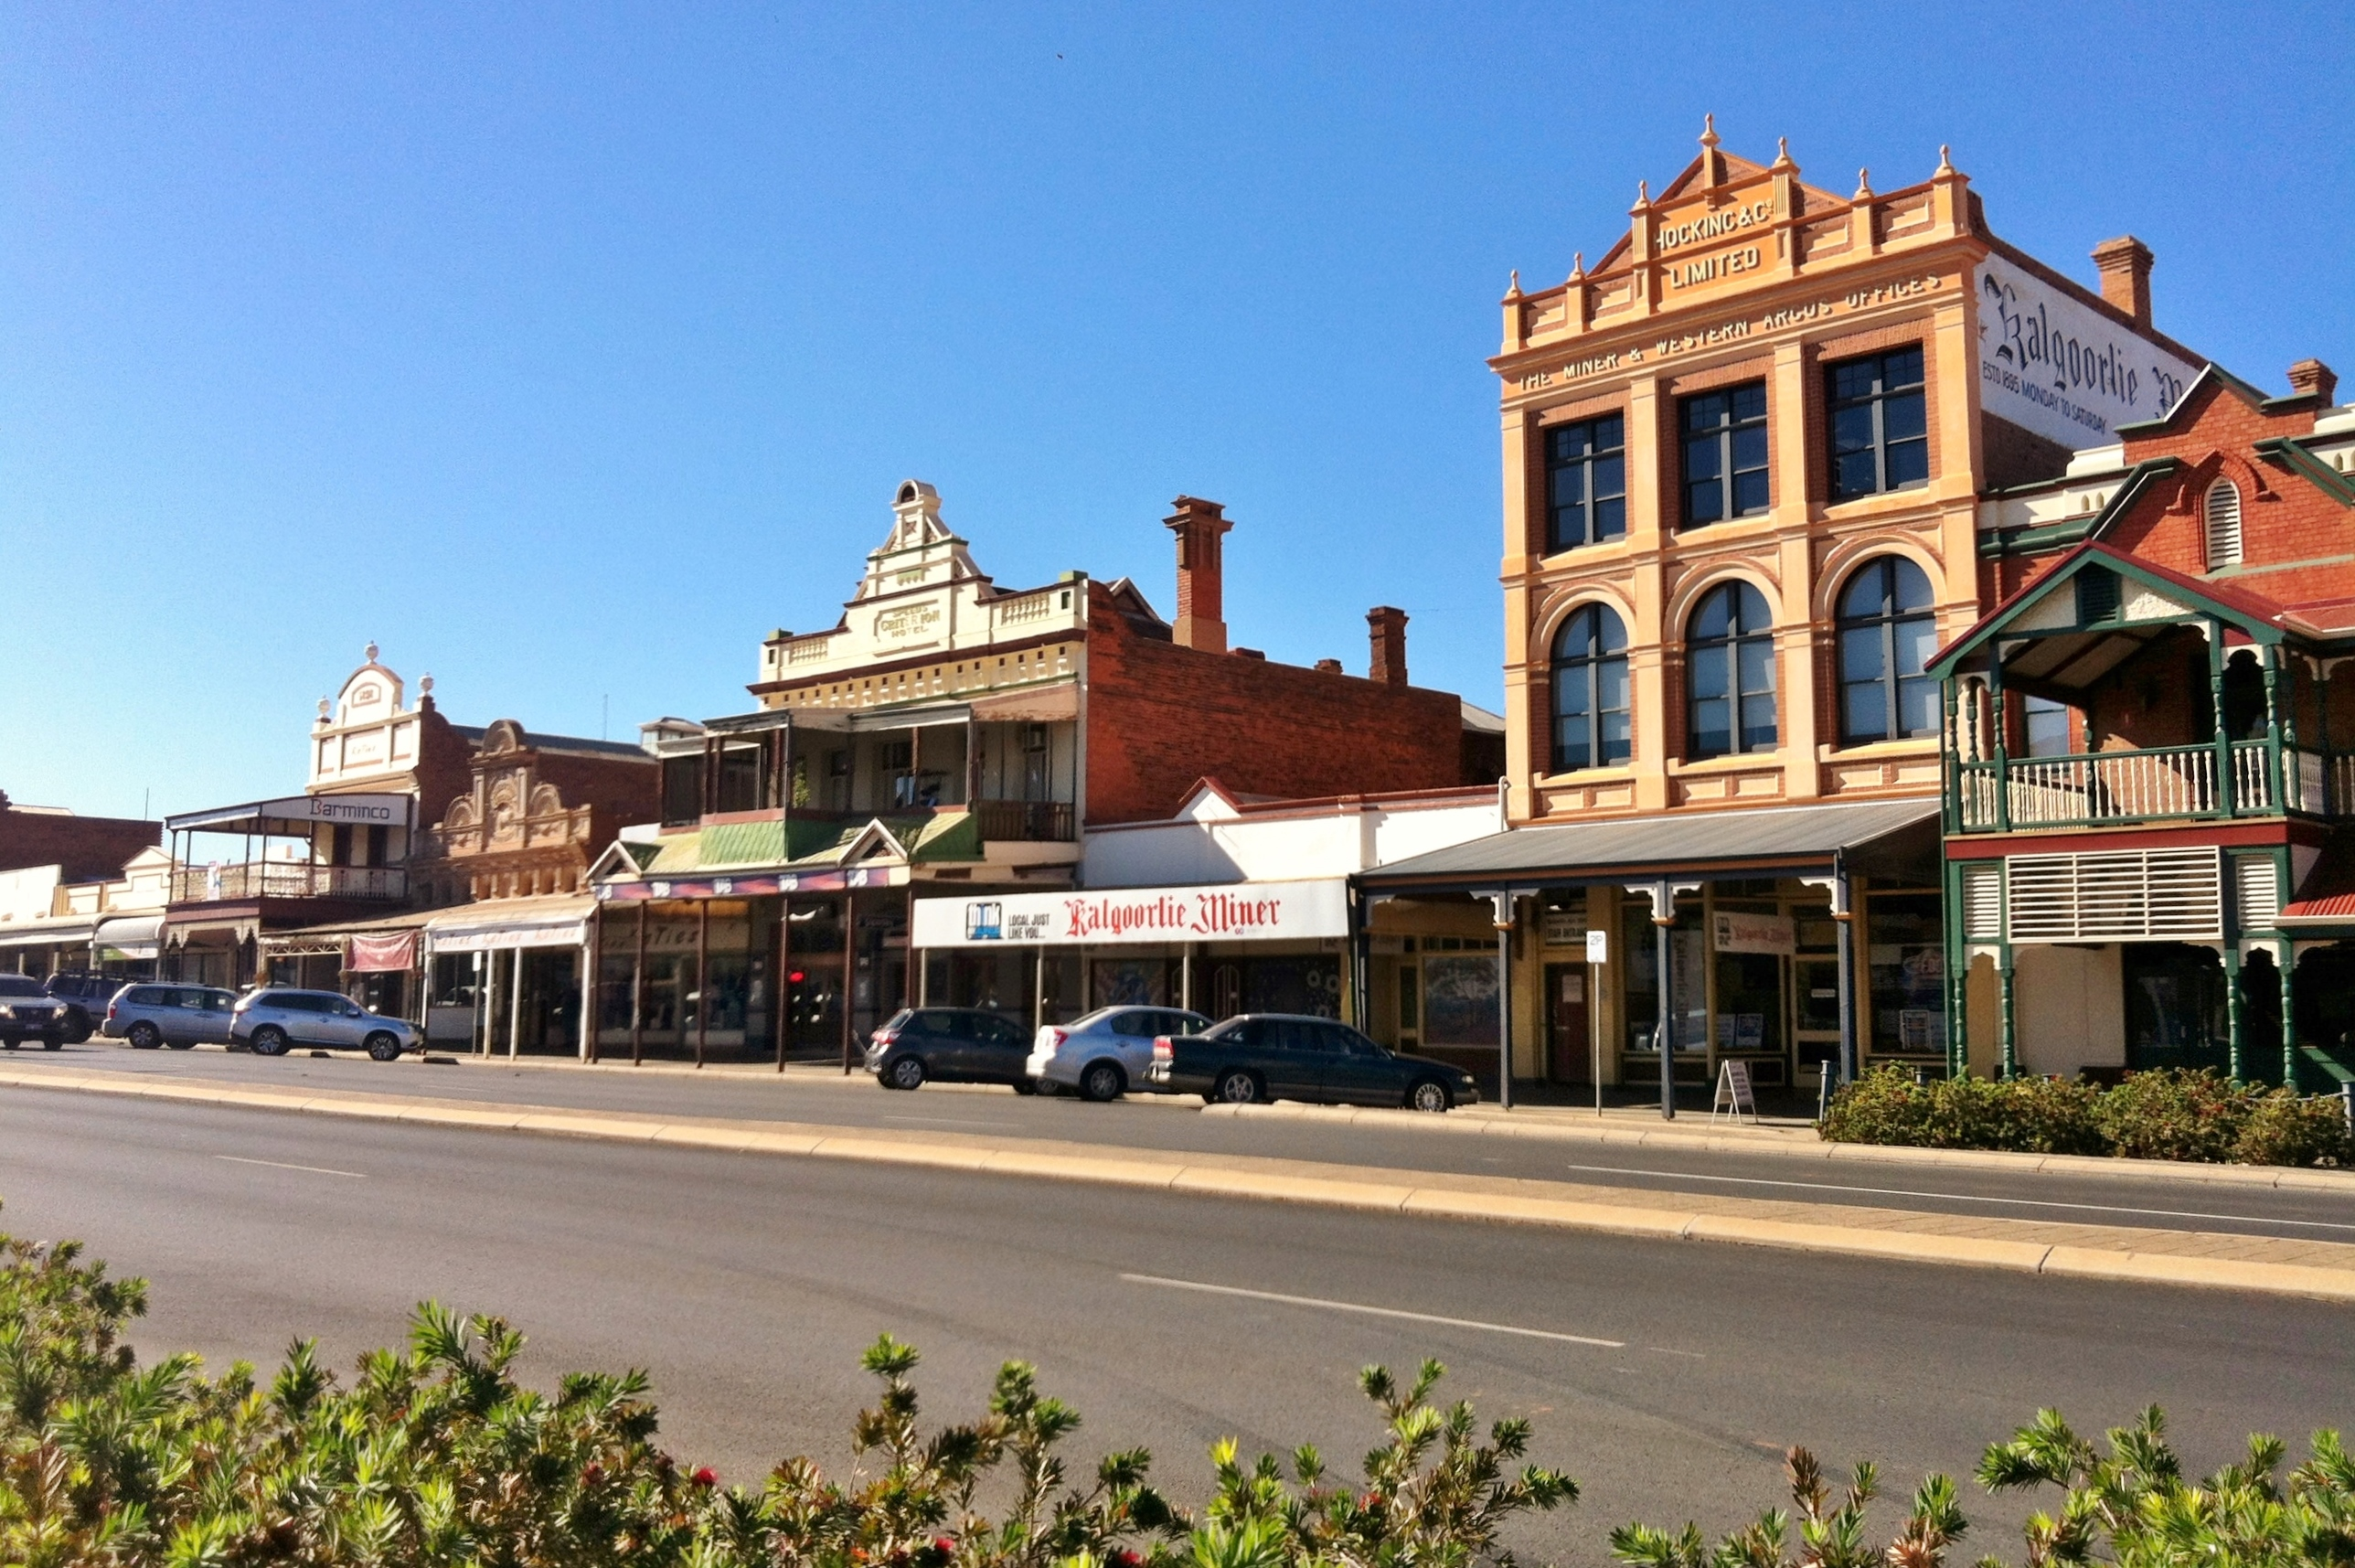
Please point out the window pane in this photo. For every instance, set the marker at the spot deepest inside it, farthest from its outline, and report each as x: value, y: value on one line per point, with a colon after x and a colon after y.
x: 1611, y: 685
x: 1866, y: 594
x: 1909, y: 464
x: 1748, y: 493
x: 1709, y: 672
x: 1916, y: 641
x: 1859, y: 654
x: 1912, y: 588
x: 1903, y: 416
x: 1702, y: 502
x: 1853, y: 474
x: 1852, y: 429
x: 1750, y: 402
x: 1750, y: 447
x: 1917, y: 704
x: 1701, y: 458
x: 1757, y: 662
x: 1610, y: 434
x: 1715, y: 616
x: 1705, y: 412
x: 1712, y: 730
x: 1610, y: 636
x: 1758, y: 723
x: 1902, y: 369
x: 1615, y: 746
x: 1610, y: 518
x: 1610, y: 476
x: 1864, y: 711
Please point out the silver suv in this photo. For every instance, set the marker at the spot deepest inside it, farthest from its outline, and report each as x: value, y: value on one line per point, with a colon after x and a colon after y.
x: 1104, y: 1054
x: 177, y: 1016
x: 276, y: 1017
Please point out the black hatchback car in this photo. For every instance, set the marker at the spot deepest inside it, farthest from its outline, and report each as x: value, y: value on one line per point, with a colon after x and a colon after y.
x: 955, y: 1045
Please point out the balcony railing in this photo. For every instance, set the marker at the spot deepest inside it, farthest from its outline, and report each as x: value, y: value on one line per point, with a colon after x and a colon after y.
x: 1045, y: 821
x: 288, y: 879
x: 2145, y: 785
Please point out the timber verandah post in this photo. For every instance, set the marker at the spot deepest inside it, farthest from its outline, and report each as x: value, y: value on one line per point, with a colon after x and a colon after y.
x: 2002, y: 741
x: 2225, y: 793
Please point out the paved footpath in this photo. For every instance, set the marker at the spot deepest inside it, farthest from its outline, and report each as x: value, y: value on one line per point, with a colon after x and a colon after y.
x: 2238, y: 1243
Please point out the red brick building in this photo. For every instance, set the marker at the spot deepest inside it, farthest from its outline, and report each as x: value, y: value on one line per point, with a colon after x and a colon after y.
x: 947, y: 730
x: 83, y: 848
x: 2148, y: 759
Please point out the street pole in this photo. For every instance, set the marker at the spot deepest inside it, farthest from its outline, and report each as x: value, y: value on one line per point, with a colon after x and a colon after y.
x: 1663, y: 898
x: 1502, y: 917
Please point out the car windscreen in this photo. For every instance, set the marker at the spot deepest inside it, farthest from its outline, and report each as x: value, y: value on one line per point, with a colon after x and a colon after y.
x: 20, y: 986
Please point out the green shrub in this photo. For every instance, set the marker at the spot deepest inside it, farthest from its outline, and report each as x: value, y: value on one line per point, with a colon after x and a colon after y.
x: 2283, y: 1129
x: 2035, y: 1115
x: 435, y: 1455
x: 2168, y: 1113
x: 2175, y: 1113
x: 2133, y: 1508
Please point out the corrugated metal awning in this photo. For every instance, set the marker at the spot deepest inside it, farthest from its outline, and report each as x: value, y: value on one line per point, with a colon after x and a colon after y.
x: 1769, y: 840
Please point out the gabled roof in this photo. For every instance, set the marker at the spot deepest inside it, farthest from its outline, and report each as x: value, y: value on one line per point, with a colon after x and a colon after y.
x: 2261, y: 619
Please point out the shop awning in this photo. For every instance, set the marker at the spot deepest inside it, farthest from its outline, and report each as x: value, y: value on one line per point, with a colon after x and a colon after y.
x: 2325, y: 901
x: 1877, y: 837
x: 130, y: 936
x: 49, y: 931
x: 552, y: 921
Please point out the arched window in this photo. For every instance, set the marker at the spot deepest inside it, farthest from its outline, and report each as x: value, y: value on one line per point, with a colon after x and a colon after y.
x: 1730, y: 656
x: 1887, y: 634
x: 2223, y: 524
x: 1590, y: 691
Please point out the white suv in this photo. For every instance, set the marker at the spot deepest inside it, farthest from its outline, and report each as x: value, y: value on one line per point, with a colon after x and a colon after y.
x: 275, y: 1017
x: 1104, y: 1054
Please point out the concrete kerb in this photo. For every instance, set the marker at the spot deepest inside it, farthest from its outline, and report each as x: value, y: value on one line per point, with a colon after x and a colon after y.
x: 1801, y: 1145
x: 1267, y: 1179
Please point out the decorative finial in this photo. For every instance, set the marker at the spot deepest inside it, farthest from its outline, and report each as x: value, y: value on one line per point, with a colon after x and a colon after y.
x: 1513, y: 290
x: 425, y: 686
x: 1577, y: 265
x: 371, y: 653
x: 1709, y: 130
x: 1945, y: 159
x: 1863, y: 184
x: 325, y: 708
x: 1783, y: 154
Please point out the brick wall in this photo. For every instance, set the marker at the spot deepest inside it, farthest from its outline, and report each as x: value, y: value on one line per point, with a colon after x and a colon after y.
x: 618, y: 791
x: 1159, y: 717
x: 89, y: 848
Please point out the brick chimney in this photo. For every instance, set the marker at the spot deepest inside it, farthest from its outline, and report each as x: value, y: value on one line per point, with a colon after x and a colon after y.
x: 2125, y: 276
x: 1201, y: 599
x: 1387, y: 626
x: 2312, y: 379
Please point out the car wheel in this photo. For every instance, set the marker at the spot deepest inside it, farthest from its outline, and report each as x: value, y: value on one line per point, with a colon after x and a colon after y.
x: 383, y: 1047
x: 905, y: 1072
x: 181, y: 1044
x: 1103, y: 1081
x: 1026, y: 1086
x: 53, y: 1042
x: 1430, y: 1094
x: 78, y: 1025
x: 9, y: 1044
x: 1237, y: 1087
x: 145, y: 1036
x: 269, y: 1040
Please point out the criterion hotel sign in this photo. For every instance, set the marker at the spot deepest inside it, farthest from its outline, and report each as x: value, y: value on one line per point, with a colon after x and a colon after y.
x: 1233, y: 912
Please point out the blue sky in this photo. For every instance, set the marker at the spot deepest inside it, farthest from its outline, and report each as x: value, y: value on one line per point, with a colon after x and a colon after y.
x: 566, y: 349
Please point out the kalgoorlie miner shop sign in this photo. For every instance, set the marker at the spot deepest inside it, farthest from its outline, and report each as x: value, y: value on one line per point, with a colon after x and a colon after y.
x: 2052, y: 365
x: 1231, y: 912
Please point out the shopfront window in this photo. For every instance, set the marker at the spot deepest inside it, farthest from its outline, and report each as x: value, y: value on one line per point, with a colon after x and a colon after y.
x: 1906, y: 960
x: 2176, y: 1014
x: 1459, y: 999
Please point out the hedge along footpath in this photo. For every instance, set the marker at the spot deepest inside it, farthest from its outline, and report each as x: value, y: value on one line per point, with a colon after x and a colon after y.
x: 2166, y: 1113
x: 435, y: 1456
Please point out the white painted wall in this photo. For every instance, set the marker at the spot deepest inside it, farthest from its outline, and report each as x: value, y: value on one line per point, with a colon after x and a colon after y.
x: 28, y: 893
x: 2069, y: 1004
x: 1214, y: 843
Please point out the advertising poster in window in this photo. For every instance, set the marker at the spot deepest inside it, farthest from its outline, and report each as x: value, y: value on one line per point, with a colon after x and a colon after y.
x: 1459, y: 1001
x: 1131, y: 983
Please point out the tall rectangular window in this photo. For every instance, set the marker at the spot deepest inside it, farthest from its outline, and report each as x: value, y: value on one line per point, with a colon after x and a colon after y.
x: 1879, y: 422
x: 1725, y: 454
x: 1586, y: 483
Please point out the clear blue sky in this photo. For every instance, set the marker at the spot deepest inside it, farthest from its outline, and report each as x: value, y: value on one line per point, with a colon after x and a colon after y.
x: 566, y: 349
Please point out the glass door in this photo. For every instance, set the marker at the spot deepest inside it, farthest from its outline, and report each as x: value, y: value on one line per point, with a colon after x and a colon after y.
x: 1816, y: 1030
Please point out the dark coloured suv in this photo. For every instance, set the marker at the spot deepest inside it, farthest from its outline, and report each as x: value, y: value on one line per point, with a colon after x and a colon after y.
x: 28, y: 1012
x: 85, y: 997
x: 955, y: 1045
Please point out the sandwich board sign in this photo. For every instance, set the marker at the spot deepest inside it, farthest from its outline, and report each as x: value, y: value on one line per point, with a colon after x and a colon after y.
x: 1733, y: 1091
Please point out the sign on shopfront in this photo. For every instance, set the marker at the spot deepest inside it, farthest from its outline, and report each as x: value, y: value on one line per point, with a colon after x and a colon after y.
x: 1232, y: 912
x: 1736, y: 933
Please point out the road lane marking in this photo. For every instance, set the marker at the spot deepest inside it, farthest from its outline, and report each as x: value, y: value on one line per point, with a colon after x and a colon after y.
x: 281, y: 1165
x: 1964, y: 1197
x: 947, y: 1121
x: 1370, y: 1311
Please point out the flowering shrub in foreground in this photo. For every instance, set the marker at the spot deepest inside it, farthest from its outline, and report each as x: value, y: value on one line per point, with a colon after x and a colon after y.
x: 435, y: 1455
x: 2168, y: 1113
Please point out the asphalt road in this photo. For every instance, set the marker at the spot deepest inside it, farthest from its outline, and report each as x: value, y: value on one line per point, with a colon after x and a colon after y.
x: 748, y: 1285
x: 1163, y: 1123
